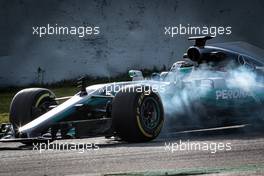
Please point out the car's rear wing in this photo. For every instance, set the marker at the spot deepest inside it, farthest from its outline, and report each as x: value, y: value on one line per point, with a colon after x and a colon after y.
x: 200, y: 40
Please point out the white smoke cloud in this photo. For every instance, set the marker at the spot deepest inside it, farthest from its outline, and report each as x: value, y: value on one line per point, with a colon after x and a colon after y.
x: 183, y: 99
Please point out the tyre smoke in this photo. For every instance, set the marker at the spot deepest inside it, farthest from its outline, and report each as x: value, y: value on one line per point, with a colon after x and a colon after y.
x: 190, y: 99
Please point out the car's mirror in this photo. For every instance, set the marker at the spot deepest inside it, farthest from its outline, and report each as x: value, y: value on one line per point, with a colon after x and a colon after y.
x: 163, y: 75
x: 135, y: 75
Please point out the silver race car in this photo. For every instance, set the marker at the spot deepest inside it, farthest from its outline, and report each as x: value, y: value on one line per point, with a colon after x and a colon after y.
x: 199, y: 86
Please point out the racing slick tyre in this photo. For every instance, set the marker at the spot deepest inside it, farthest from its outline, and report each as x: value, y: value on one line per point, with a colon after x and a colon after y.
x: 137, y: 116
x: 29, y: 104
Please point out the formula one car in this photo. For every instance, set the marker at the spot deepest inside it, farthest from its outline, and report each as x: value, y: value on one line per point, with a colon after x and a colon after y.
x: 205, y: 84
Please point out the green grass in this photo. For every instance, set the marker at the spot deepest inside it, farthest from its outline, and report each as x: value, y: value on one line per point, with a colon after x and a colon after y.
x: 65, y: 91
x: 6, y: 98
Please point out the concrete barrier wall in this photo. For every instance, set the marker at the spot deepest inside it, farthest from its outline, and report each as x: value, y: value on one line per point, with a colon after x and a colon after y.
x: 131, y: 34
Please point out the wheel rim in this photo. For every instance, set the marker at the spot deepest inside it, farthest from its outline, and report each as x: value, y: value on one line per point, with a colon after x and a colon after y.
x: 150, y: 113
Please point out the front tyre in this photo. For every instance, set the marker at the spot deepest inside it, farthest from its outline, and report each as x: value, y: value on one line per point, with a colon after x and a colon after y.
x: 137, y: 115
x: 28, y: 104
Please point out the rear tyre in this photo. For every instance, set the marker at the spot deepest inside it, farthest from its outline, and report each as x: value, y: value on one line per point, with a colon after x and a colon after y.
x: 137, y: 116
x: 28, y: 104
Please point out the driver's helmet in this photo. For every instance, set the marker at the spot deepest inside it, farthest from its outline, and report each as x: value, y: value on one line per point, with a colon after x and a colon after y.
x: 182, y: 66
